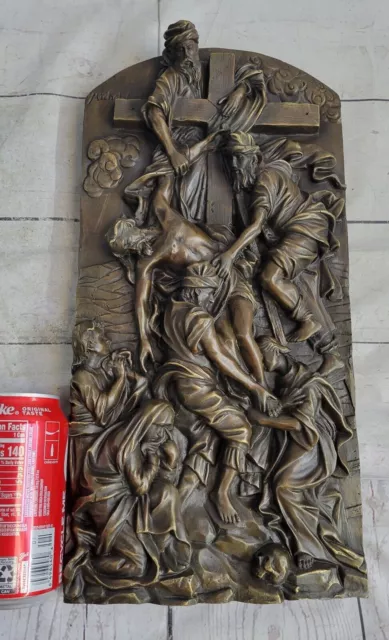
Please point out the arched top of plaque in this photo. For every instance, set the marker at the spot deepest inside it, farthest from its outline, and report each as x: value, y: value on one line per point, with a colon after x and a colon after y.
x: 295, y: 104
x: 284, y: 83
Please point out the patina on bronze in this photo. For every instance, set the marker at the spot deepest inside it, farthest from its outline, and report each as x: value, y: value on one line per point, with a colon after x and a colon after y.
x: 213, y: 453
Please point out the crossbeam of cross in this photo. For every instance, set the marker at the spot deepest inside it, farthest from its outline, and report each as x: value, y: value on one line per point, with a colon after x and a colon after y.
x: 276, y: 117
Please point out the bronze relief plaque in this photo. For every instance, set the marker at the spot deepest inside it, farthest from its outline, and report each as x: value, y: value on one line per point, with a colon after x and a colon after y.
x: 213, y: 452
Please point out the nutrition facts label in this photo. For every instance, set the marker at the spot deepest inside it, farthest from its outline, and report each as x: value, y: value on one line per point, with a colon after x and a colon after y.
x: 13, y: 466
x: 33, y: 444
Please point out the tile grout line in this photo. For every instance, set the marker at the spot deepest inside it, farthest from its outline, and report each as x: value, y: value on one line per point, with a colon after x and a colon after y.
x: 169, y: 623
x: 364, y: 100
x: 363, y: 342
x: 159, y: 25
x: 36, y: 219
x: 70, y: 97
x: 85, y: 622
x: 41, y: 93
x: 34, y: 344
x: 361, y: 619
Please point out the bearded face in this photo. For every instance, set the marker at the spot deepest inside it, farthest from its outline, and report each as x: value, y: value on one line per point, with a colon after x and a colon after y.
x: 125, y: 237
x: 89, y: 337
x: 244, y: 171
x: 138, y: 243
x: 187, y: 60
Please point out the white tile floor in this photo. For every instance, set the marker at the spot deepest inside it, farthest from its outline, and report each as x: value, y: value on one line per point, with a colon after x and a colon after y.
x: 50, y: 49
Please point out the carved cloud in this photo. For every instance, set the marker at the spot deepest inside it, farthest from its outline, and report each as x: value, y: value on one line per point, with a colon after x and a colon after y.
x: 110, y: 155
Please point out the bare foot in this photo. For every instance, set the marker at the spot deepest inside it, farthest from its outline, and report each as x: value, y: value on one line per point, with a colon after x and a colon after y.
x: 331, y: 364
x: 304, y: 561
x: 306, y: 330
x: 226, y: 511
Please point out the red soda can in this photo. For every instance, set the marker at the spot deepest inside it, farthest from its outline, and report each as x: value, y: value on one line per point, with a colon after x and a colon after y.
x: 33, y: 446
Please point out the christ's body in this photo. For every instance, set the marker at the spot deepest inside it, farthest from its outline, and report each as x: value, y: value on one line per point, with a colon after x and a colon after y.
x: 176, y: 245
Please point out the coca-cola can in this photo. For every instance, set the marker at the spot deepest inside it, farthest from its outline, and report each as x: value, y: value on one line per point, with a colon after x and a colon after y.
x: 33, y: 446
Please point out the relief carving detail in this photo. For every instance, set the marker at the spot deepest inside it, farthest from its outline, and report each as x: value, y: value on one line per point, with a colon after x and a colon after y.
x: 212, y: 439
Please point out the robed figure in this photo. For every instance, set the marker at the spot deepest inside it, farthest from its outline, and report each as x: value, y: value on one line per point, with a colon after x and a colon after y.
x: 104, y: 389
x: 182, y: 77
x: 127, y: 524
x: 299, y: 501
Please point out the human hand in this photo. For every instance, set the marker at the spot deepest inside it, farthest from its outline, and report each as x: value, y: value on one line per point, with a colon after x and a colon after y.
x: 179, y: 162
x: 170, y: 455
x: 266, y: 402
x: 223, y: 263
x: 273, y: 406
x: 125, y: 355
x: 118, y: 364
x: 271, y: 238
x: 215, y: 139
x: 232, y: 102
x: 146, y: 352
x: 294, y: 399
x: 260, y: 78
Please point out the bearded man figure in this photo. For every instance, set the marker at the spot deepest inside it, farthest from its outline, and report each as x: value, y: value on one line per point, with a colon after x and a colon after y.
x: 298, y: 485
x: 298, y: 227
x: 104, y: 391
x: 181, y: 77
x: 162, y: 254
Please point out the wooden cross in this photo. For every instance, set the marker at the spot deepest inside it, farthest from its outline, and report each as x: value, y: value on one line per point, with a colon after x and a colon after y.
x: 277, y: 117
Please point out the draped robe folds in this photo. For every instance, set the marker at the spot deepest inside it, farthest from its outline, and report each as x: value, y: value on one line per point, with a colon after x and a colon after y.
x: 197, y: 388
x: 191, y: 189
x: 190, y: 195
x: 292, y: 214
x: 144, y: 534
x: 91, y: 413
x: 299, y: 502
x: 303, y: 217
x: 245, y: 117
x: 167, y: 281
